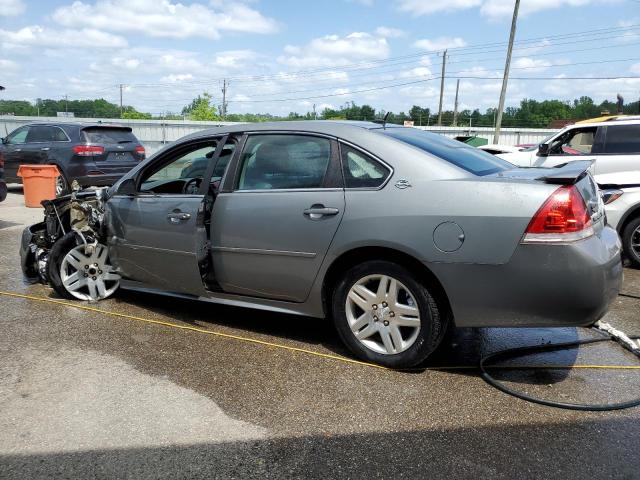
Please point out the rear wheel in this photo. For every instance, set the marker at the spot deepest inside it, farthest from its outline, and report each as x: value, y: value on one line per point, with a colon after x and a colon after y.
x: 75, y: 274
x: 631, y: 241
x: 385, y: 315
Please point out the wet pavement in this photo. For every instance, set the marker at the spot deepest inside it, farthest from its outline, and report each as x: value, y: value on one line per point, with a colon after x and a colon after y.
x: 87, y: 395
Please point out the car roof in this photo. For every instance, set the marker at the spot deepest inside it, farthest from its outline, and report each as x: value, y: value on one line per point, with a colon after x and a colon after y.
x: 610, y: 120
x: 76, y: 125
x: 335, y: 128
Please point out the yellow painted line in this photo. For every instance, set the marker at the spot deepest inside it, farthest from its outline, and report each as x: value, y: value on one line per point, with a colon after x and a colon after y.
x: 329, y: 356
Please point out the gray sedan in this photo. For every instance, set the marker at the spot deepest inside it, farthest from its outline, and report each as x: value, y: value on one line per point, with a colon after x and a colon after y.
x: 394, y: 233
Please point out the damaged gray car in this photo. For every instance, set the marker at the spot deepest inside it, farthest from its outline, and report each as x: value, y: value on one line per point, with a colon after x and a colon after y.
x: 393, y: 232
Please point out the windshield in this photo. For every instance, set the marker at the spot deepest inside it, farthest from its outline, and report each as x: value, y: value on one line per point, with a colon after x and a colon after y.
x: 459, y: 154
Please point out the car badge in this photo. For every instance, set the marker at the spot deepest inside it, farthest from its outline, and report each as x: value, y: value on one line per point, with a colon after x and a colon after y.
x: 402, y: 184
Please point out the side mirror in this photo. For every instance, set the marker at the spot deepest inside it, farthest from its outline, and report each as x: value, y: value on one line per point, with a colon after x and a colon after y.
x: 128, y: 187
x: 543, y: 150
x: 3, y: 140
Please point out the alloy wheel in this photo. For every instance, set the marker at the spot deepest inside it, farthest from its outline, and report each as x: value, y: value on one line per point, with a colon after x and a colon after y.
x: 635, y: 242
x: 89, y: 277
x: 61, y: 186
x: 383, y: 314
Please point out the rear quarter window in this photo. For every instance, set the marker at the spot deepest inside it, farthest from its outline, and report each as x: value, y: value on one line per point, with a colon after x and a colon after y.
x: 468, y: 158
x: 108, y: 135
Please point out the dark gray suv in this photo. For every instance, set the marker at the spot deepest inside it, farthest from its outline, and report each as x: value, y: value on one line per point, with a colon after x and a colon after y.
x: 93, y: 154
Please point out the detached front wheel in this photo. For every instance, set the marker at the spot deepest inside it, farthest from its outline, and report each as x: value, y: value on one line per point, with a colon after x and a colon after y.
x: 386, y: 316
x: 77, y: 274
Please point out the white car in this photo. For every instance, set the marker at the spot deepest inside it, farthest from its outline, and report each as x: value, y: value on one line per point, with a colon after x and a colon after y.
x: 496, y: 148
x: 621, y: 195
x: 613, y: 142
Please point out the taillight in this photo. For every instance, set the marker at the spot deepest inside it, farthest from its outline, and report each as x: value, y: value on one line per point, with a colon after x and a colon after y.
x: 140, y: 151
x: 88, y: 150
x: 1, y: 160
x: 563, y: 218
x: 611, y: 195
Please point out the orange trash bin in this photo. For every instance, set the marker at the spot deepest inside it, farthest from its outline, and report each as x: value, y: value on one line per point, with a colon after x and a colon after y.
x: 39, y: 183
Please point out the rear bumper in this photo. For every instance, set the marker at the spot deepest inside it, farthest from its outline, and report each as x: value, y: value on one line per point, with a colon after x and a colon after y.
x: 541, y: 285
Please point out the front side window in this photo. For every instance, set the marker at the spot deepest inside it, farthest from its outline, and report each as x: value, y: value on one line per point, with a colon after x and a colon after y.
x: 18, y: 136
x: 622, y: 139
x: 360, y: 170
x: 271, y: 162
x: 578, y: 141
x: 172, y: 176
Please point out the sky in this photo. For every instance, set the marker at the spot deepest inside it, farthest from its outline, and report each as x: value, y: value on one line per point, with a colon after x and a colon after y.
x: 287, y: 56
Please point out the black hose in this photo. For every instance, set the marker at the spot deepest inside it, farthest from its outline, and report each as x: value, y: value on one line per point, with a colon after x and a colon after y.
x: 514, y: 352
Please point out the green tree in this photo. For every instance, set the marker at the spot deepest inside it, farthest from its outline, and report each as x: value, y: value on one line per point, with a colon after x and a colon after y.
x: 201, y: 108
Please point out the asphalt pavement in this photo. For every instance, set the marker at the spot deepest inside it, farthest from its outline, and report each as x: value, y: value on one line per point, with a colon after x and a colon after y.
x: 86, y: 394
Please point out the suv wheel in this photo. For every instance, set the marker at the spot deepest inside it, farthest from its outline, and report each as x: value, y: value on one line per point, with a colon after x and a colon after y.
x: 384, y: 315
x: 631, y: 241
x: 75, y: 274
x: 62, y: 186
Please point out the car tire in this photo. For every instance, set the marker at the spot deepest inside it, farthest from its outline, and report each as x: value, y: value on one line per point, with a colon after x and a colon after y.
x: 100, y: 280
x: 631, y: 241
x: 388, y: 331
x: 62, y: 185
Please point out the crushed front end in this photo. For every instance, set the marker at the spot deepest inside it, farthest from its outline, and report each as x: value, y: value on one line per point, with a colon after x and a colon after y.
x: 80, y: 212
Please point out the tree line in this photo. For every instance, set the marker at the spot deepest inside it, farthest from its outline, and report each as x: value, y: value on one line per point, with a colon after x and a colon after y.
x: 530, y: 113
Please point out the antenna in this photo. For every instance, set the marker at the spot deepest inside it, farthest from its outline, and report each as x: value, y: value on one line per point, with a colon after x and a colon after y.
x: 384, y: 120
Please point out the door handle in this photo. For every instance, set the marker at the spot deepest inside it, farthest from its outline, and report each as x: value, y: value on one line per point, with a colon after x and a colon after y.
x: 177, y: 216
x: 17, y: 149
x: 318, y: 211
x: 45, y: 149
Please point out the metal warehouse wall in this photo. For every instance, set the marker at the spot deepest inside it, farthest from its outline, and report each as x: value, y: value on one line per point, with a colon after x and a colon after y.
x: 156, y: 133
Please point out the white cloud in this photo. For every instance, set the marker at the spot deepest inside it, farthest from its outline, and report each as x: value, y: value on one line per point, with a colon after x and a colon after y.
x: 163, y: 18
x: 234, y: 58
x: 390, y: 32
x: 491, y: 8
x: 635, y: 68
x: 8, y: 66
x: 440, y: 43
x: 531, y: 64
x: 502, y: 8
x: 426, y: 7
x: 177, y: 78
x: 335, y: 50
x: 128, y: 63
x: 37, y: 36
x: 11, y: 8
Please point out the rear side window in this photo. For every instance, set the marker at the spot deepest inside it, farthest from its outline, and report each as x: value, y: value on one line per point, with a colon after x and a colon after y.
x: 360, y: 170
x: 109, y: 135
x: 58, y: 135
x: 468, y: 158
x: 272, y: 162
x: 622, y: 139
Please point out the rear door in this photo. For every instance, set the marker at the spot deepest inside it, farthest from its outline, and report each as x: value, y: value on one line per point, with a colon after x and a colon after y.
x: 119, y: 145
x: 38, y: 144
x: 621, y: 149
x: 277, y: 215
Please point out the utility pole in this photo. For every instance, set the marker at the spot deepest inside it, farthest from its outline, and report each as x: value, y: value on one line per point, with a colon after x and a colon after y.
x: 224, y: 98
x: 315, y: 116
x: 444, y: 64
x: 66, y: 98
x: 505, y: 78
x: 121, y: 86
x: 455, y: 105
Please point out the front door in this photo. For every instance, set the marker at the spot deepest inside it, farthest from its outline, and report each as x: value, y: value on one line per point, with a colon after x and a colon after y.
x: 14, y: 151
x: 158, y: 235
x: 580, y: 143
x: 272, y: 227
